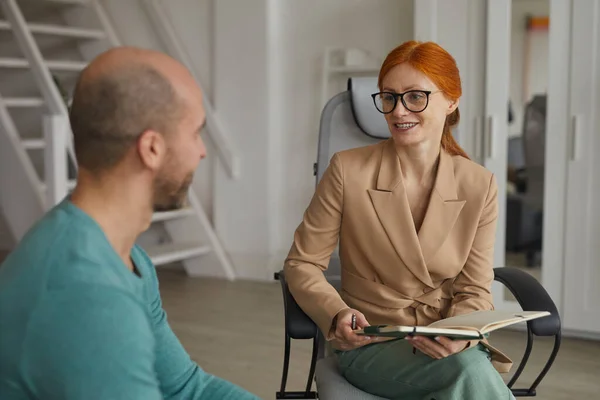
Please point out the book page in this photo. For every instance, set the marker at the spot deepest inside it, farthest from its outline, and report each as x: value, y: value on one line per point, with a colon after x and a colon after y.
x: 485, y: 321
x: 400, y: 331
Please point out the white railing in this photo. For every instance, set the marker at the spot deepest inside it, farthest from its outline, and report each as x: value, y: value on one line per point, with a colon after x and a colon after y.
x: 32, y: 53
x: 166, y: 31
x: 56, y: 131
x: 53, y: 101
x: 21, y: 201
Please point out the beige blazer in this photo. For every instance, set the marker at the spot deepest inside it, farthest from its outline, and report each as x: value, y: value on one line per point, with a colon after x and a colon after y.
x: 390, y: 272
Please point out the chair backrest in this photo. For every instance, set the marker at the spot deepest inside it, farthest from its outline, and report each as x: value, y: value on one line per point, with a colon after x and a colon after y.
x: 534, y: 131
x: 516, y: 159
x: 348, y: 120
x: 534, y: 141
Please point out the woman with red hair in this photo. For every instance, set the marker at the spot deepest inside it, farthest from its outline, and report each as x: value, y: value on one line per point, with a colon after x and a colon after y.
x: 415, y: 220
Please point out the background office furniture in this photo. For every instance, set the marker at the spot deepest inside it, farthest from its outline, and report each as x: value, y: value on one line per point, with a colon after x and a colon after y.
x: 350, y: 120
x: 525, y: 207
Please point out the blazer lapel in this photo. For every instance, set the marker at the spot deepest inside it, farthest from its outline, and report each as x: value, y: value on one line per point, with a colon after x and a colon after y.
x: 392, y: 208
x: 442, y: 211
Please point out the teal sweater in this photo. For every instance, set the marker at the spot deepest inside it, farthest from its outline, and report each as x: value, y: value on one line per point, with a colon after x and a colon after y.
x: 75, y: 323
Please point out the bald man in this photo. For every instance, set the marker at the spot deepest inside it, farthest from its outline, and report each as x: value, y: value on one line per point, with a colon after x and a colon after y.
x: 80, y: 310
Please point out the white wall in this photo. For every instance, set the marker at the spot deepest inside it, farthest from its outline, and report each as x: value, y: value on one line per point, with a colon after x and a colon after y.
x: 193, y: 22
x: 268, y: 57
x: 260, y: 62
x: 535, y: 62
x: 310, y: 25
x: 242, y: 87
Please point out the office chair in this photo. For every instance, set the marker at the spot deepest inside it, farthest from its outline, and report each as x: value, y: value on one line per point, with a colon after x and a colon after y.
x: 350, y: 120
x: 526, y: 207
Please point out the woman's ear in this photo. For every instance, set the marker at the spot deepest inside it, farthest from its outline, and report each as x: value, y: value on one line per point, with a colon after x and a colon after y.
x: 452, y: 105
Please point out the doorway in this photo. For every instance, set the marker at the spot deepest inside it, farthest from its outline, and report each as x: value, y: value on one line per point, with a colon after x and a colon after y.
x: 527, y: 105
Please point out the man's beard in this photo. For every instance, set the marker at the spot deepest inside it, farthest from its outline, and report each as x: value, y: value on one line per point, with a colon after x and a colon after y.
x: 170, y: 194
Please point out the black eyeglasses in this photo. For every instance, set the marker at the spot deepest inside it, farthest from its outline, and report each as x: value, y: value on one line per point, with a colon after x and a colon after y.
x: 413, y: 100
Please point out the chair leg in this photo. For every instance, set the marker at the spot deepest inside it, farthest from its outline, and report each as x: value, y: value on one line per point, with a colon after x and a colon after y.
x: 286, y: 365
x: 531, y: 391
x: 307, y: 394
x: 524, y: 359
x: 557, y: 339
x: 313, y: 364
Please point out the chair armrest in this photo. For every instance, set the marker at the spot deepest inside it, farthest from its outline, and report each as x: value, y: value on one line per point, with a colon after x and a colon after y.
x: 531, y: 296
x: 297, y: 324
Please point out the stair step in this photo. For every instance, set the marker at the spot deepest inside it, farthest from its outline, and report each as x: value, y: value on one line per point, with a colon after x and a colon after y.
x: 69, y: 2
x: 170, y: 215
x: 70, y: 184
x: 173, y: 252
x: 33, y: 144
x: 54, y: 65
x: 58, y: 30
x: 23, y: 102
x: 74, y: 66
x: 7, y: 62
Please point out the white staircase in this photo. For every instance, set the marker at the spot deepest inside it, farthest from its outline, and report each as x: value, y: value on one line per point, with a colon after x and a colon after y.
x: 43, y: 41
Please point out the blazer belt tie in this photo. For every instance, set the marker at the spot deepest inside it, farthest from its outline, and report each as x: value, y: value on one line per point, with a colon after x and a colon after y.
x: 385, y: 296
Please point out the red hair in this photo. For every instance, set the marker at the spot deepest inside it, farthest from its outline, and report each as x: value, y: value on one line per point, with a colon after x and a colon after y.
x: 440, y: 67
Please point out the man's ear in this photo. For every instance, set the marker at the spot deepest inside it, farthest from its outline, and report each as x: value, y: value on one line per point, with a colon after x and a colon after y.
x: 152, y: 149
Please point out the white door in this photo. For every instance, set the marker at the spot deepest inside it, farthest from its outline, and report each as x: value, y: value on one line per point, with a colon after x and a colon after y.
x: 482, y: 42
x: 582, y: 241
x: 540, y: 67
x: 477, y: 34
x: 495, y: 123
x: 558, y: 126
x: 459, y: 27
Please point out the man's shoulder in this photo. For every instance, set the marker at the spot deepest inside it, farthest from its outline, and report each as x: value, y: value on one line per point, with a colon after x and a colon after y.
x: 65, y: 248
x: 98, y: 324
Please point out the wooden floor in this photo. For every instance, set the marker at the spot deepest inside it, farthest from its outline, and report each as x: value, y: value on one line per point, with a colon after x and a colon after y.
x: 235, y: 330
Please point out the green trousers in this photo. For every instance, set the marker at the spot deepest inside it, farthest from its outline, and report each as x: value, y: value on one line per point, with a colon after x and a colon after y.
x: 391, y: 370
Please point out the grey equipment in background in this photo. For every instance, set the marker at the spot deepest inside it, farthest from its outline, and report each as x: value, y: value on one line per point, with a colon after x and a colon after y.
x: 525, y: 208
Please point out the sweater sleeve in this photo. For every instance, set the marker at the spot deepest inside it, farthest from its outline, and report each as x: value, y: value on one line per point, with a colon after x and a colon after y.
x: 90, y: 343
x: 179, y: 377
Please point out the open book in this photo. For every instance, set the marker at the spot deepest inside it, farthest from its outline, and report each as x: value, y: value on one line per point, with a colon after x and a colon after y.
x: 472, y: 326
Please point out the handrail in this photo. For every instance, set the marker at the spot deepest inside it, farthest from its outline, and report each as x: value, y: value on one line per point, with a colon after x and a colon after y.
x: 33, y: 54
x: 56, y: 128
x: 41, y: 73
x: 111, y: 34
x: 224, y: 146
x: 22, y: 203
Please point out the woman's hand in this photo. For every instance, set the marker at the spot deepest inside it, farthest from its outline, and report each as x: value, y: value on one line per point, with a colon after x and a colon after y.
x: 439, y: 348
x: 345, y: 338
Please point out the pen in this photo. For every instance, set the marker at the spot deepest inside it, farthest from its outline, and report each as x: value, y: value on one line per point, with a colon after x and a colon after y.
x: 353, y: 321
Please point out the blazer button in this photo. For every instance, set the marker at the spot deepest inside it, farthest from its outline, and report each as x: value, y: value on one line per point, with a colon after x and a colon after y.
x: 426, y: 290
